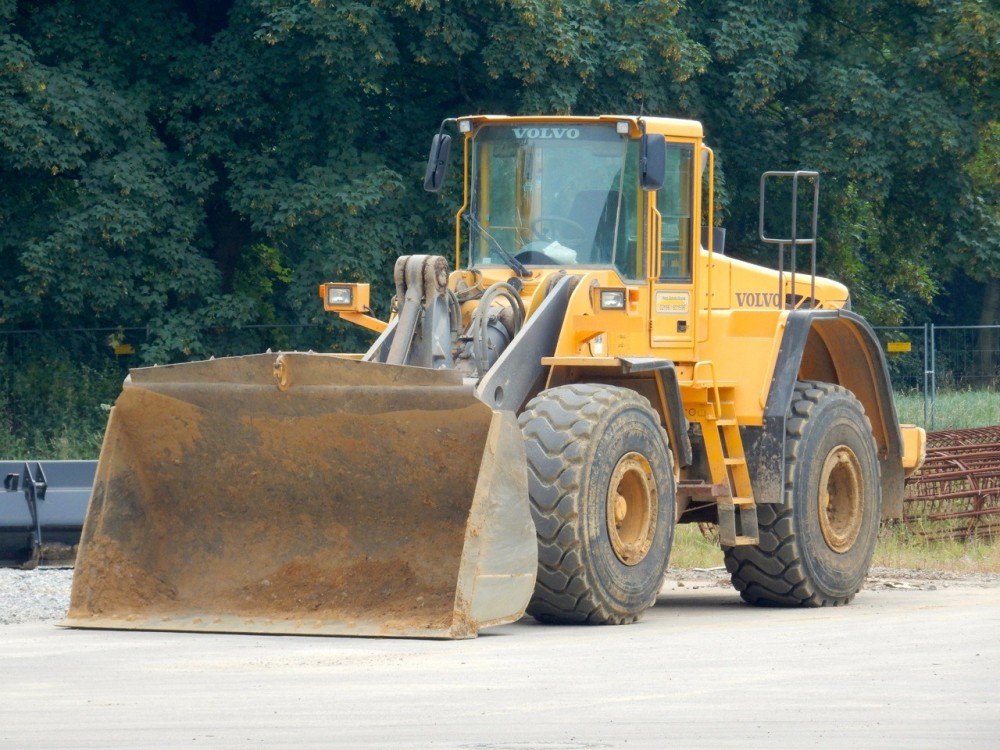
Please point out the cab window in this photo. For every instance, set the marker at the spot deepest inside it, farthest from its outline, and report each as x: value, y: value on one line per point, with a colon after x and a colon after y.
x: 675, y: 204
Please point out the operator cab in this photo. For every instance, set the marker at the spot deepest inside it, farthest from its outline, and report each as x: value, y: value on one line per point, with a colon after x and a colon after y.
x: 570, y: 193
x: 618, y: 196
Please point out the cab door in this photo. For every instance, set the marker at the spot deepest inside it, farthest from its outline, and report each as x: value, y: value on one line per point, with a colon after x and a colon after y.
x: 674, y: 214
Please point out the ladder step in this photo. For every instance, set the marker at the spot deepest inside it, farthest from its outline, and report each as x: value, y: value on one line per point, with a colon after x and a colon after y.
x: 704, y: 490
x: 748, y: 533
x: 737, y: 512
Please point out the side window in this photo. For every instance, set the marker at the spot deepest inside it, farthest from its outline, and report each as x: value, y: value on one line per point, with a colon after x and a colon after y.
x: 674, y: 202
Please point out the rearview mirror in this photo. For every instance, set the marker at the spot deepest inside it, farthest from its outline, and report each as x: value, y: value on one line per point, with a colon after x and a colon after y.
x: 437, y: 163
x: 653, y: 164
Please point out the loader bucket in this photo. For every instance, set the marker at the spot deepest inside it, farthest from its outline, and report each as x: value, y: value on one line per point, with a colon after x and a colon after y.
x: 306, y: 494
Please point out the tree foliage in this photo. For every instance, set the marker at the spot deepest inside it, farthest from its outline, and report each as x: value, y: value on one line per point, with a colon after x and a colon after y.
x: 197, y: 166
x: 886, y: 100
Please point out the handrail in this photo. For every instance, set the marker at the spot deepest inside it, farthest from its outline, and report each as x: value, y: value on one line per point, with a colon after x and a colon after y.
x: 794, y: 241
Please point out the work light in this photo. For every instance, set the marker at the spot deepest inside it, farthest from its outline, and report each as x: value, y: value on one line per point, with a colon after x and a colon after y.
x: 612, y: 299
x: 339, y: 296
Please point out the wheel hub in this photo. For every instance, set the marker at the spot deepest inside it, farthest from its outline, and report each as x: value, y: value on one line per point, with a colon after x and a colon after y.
x: 631, y: 508
x: 841, y: 499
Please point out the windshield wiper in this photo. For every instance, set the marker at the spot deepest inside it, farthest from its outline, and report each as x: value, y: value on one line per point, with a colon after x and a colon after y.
x: 513, y: 263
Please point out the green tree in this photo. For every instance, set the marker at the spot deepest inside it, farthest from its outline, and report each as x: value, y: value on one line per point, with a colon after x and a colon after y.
x: 886, y: 99
x: 198, y: 166
x: 102, y: 223
x: 976, y: 251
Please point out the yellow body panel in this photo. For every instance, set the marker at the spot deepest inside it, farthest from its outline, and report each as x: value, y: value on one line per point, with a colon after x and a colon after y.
x: 668, y: 126
x: 914, y: 447
x: 740, y: 336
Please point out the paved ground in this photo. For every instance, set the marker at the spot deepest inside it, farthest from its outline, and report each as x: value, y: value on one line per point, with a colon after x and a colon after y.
x: 911, y: 663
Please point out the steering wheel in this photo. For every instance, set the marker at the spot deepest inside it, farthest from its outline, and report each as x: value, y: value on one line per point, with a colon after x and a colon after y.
x: 558, y: 228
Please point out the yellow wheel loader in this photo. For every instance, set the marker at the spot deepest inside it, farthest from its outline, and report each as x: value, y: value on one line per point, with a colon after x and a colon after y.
x: 527, y: 430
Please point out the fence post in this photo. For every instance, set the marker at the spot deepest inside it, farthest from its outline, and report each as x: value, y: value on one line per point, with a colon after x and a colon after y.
x: 927, y: 373
x: 933, y: 378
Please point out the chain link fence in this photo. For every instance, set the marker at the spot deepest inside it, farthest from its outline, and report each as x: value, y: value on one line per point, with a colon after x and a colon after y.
x: 56, y: 386
x: 122, y: 347
x: 46, y: 374
x: 929, y: 358
x: 110, y: 352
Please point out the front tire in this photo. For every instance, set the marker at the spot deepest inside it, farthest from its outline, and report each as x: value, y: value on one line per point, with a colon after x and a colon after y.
x: 602, y: 490
x: 817, y: 550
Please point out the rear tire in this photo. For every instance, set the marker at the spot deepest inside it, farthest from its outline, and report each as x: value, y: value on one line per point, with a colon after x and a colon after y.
x: 817, y: 550
x: 601, y: 480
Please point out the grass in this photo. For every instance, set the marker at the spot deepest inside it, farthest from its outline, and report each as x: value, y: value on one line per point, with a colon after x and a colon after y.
x: 898, y: 547
x: 692, y: 550
x: 953, y: 410
x: 901, y: 547
x: 54, y: 408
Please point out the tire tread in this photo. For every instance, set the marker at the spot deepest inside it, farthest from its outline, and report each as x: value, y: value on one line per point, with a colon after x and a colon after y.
x: 772, y: 573
x: 557, y: 425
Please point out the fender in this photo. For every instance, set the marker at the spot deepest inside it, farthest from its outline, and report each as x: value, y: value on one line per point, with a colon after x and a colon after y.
x: 834, y: 346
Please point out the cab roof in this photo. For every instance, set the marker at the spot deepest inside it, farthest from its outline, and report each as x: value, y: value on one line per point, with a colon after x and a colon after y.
x: 668, y: 126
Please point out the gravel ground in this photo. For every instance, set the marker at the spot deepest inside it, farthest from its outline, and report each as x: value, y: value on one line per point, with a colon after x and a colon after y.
x: 33, y: 595
x: 879, y: 579
x: 43, y: 595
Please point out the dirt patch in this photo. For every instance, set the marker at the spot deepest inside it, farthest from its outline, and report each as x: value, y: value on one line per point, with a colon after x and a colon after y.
x: 366, y: 591
x: 112, y: 585
x: 109, y: 582
x: 696, y: 578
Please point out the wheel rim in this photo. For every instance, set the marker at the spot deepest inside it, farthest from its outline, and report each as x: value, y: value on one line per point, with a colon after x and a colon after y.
x: 632, y: 508
x: 841, y: 499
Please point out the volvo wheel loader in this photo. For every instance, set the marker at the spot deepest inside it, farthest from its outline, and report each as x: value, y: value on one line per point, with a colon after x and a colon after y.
x: 527, y: 429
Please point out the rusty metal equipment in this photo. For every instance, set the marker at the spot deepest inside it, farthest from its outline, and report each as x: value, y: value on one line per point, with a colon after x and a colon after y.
x: 956, y: 494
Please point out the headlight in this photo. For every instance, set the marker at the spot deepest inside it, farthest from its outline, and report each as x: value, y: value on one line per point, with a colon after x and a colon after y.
x: 339, y: 296
x: 343, y: 298
x: 612, y: 299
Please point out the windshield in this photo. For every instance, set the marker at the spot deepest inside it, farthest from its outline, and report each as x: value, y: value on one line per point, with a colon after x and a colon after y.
x: 555, y: 195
